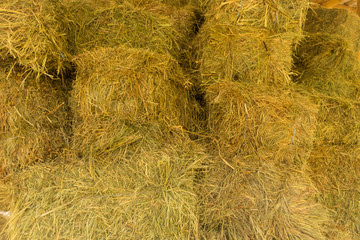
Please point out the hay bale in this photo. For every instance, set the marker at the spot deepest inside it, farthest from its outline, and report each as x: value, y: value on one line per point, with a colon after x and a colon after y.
x: 327, y: 63
x: 334, y: 21
x: 32, y: 120
x: 244, y: 55
x: 335, y: 170
x: 150, y: 195
x: 139, y: 24
x: 31, y: 34
x: 260, y: 200
x: 117, y: 86
x: 273, y: 123
x: 277, y: 16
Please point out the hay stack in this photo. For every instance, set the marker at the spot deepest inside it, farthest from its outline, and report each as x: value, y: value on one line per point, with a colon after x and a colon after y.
x: 122, y: 86
x: 139, y: 24
x: 334, y: 21
x: 259, y: 200
x: 30, y: 32
x: 250, y: 41
x: 266, y: 121
x: 335, y: 170
x: 150, y: 195
x: 32, y: 120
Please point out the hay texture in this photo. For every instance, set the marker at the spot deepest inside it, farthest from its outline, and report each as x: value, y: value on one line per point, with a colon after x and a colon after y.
x: 334, y: 21
x: 139, y: 24
x: 151, y: 195
x: 277, y: 16
x: 250, y: 41
x: 259, y: 200
x: 32, y: 121
x: 273, y: 123
x: 133, y: 86
x: 335, y: 170
x: 31, y: 34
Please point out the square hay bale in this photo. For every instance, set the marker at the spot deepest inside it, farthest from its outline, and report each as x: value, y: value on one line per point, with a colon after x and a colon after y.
x: 335, y: 170
x: 117, y: 87
x: 276, y: 124
x: 139, y: 24
x: 338, y: 120
x: 328, y: 63
x: 335, y: 21
x: 33, y: 122
x: 30, y: 32
x: 277, y: 15
x: 260, y: 200
x: 244, y: 54
x: 149, y: 195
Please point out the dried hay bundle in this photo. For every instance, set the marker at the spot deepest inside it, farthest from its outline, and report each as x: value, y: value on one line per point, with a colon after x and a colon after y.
x: 123, y: 86
x: 139, y: 24
x: 338, y: 120
x: 32, y: 120
x: 327, y: 63
x: 31, y: 33
x: 149, y: 195
x: 335, y: 170
x: 244, y: 54
x: 335, y: 21
x: 259, y: 200
x: 273, y: 123
x: 276, y: 15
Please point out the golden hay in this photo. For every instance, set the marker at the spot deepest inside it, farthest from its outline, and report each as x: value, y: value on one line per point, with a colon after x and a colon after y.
x: 31, y: 33
x: 244, y: 55
x: 327, y: 63
x: 335, y: 169
x: 277, y: 16
x: 139, y: 24
x: 335, y: 21
x: 273, y: 123
x: 259, y: 200
x: 32, y: 120
x: 122, y: 86
x: 152, y: 194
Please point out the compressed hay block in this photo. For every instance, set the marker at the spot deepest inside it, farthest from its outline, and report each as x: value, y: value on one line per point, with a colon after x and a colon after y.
x: 117, y: 86
x: 277, y: 16
x: 32, y: 120
x: 327, y: 63
x: 139, y: 24
x: 335, y: 170
x: 335, y: 21
x: 259, y: 200
x: 150, y: 195
x: 274, y: 123
x: 338, y: 120
x: 244, y: 54
x: 31, y: 34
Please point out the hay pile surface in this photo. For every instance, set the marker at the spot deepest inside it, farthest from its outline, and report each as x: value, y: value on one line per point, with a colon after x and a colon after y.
x: 31, y: 34
x: 33, y: 121
x: 250, y: 41
x: 260, y: 200
x: 149, y: 195
x: 249, y: 119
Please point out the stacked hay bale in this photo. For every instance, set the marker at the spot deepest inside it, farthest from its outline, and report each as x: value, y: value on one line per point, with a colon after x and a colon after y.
x: 329, y: 71
x: 32, y: 35
x: 262, y: 126
x: 33, y: 120
x: 150, y: 195
x: 250, y: 40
